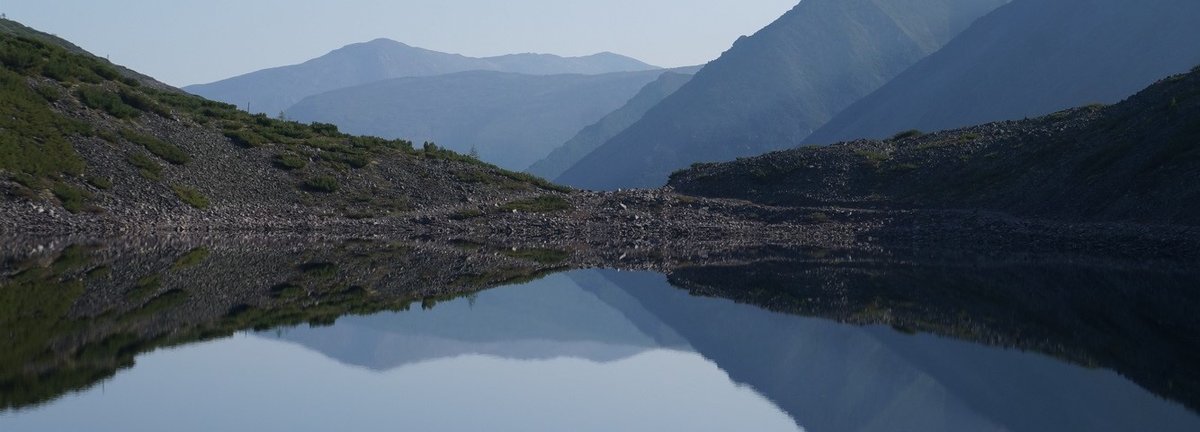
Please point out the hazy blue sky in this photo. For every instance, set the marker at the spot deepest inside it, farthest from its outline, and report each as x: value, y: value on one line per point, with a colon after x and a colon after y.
x: 189, y: 42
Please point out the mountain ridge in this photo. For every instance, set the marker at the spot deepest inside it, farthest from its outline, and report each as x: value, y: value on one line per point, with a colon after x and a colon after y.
x: 772, y: 89
x: 510, y: 119
x: 273, y: 90
x: 1029, y: 59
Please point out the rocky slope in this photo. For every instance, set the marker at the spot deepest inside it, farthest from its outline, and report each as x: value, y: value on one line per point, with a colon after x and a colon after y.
x: 84, y: 146
x: 1134, y: 161
x: 273, y: 90
x: 511, y: 119
x: 1027, y: 59
x: 772, y: 89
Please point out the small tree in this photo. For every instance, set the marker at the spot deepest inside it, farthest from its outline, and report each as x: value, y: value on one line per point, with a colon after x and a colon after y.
x: 474, y: 154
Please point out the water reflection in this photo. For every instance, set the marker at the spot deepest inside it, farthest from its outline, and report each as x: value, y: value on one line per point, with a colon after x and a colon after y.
x: 782, y: 343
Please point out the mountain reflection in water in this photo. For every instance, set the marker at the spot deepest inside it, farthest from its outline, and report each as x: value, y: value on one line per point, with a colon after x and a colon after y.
x: 814, y: 344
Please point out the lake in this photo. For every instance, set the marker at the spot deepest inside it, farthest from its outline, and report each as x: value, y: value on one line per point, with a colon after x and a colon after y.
x: 208, y: 335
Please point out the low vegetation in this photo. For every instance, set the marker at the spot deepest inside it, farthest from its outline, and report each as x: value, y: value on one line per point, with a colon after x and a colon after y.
x: 191, y: 196
x: 911, y: 133
x: 42, y: 78
x: 541, y: 204
x: 323, y: 184
x: 166, y: 151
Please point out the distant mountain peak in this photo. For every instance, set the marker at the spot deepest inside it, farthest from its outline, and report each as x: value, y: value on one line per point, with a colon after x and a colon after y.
x: 277, y: 89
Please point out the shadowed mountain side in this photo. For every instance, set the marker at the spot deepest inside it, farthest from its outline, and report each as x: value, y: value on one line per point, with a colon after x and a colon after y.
x: 772, y: 89
x: 592, y: 137
x: 835, y: 377
x: 512, y: 120
x: 273, y: 90
x: 1030, y: 58
x: 1134, y: 161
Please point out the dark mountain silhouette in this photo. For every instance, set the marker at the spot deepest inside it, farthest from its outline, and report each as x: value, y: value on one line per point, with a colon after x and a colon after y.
x: 592, y: 137
x: 273, y: 90
x: 511, y: 119
x: 1027, y: 59
x: 774, y: 88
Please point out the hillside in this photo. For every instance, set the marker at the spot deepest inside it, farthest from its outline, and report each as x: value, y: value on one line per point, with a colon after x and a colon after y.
x: 1137, y: 161
x: 16, y: 29
x: 511, y: 119
x: 273, y: 90
x: 592, y: 137
x: 772, y: 89
x: 1027, y: 59
x: 82, y: 147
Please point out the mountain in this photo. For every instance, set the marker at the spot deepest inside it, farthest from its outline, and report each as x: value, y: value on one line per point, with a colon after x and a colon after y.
x: 1027, y: 59
x: 1137, y: 161
x: 511, y: 119
x: 273, y: 90
x: 78, y: 135
x: 772, y: 89
x: 592, y: 137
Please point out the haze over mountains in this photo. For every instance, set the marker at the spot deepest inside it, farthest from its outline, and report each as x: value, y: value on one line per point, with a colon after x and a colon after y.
x: 1031, y: 58
x: 273, y: 90
x: 512, y: 120
x: 594, y: 136
x: 774, y: 88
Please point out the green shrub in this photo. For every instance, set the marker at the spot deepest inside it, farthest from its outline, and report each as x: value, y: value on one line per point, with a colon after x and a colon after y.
x: 166, y: 151
x: 541, y: 204
x: 539, y: 255
x: 99, y: 98
x: 73, y: 199
x: 357, y: 160
x: 872, y: 156
x: 466, y: 214
x: 49, y: 92
x: 911, y: 133
x: 104, y: 183
x: 143, y: 103
x: 289, y: 161
x: 325, y: 129
x: 147, y: 167
x: 58, y: 69
x: 245, y: 138
x: 191, y: 196
x: 323, y: 184
x: 107, y: 135
x: 32, y: 139
x: 192, y: 258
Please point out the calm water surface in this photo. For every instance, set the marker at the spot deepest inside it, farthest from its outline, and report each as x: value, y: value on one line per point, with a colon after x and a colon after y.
x: 599, y: 350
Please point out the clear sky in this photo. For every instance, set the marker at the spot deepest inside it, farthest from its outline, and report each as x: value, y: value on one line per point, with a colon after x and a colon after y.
x: 194, y: 41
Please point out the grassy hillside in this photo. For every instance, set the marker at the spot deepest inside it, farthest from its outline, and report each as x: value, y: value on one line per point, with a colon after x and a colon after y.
x: 76, y: 132
x: 1138, y: 160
